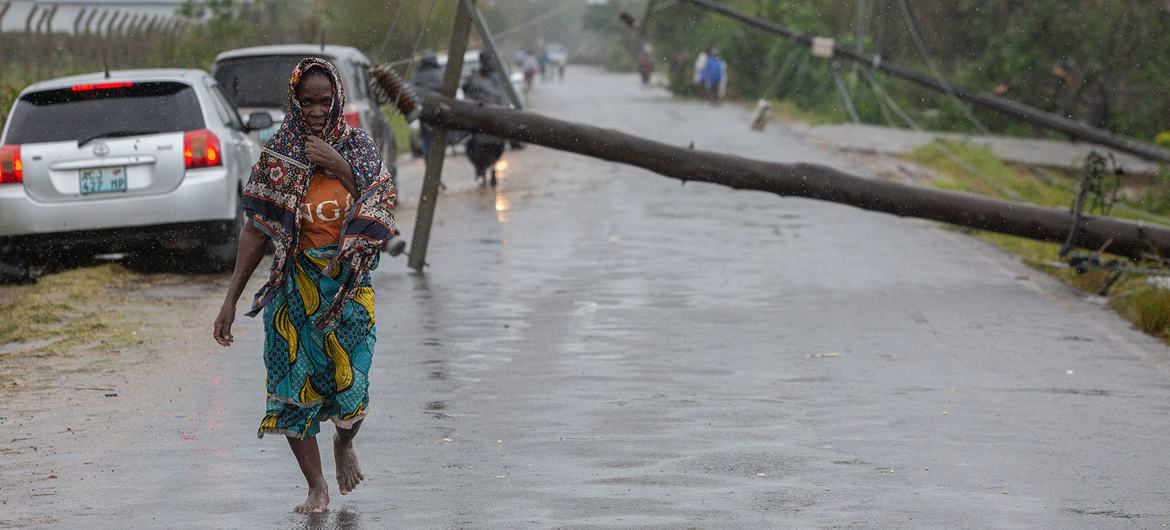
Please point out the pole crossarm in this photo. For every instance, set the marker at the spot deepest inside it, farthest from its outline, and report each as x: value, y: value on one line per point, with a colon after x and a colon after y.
x: 1005, y: 106
x: 1124, y: 238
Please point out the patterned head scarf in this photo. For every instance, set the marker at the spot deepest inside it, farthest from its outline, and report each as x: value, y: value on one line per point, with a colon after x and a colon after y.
x: 336, y: 129
x: 281, y: 177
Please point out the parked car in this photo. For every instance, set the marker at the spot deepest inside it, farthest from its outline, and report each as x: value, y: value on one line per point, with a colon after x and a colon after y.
x: 256, y: 80
x: 124, y: 161
x: 470, y: 63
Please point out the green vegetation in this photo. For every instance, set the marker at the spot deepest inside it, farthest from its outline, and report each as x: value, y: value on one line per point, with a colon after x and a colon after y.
x: 953, y: 162
x: 401, y: 130
x: 788, y: 110
x: 1148, y: 307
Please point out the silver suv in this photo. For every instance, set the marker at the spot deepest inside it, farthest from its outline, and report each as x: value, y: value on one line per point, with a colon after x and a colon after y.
x: 256, y: 80
x: 121, y: 162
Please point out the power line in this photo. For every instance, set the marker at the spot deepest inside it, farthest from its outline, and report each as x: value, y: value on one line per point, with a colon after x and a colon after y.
x: 390, y: 32
x: 512, y: 30
x: 422, y: 30
x: 912, y: 25
x: 843, y: 92
x: 946, y: 151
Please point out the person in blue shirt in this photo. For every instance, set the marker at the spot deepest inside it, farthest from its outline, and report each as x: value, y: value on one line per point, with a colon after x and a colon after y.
x: 714, y: 75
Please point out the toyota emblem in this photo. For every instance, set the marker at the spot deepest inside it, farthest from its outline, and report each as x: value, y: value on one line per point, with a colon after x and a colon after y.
x: 101, y: 149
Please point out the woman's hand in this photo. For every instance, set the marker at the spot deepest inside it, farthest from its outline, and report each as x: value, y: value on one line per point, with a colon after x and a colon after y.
x: 336, y: 166
x: 223, y: 324
x: 322, y: 154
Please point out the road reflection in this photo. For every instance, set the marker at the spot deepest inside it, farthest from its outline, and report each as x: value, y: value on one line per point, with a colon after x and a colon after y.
x: 503, y: 203
x: 341, y: 519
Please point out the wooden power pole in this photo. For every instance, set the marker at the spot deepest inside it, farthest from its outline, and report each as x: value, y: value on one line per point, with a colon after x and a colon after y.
x: 438, y: 151
x: 489, y: 43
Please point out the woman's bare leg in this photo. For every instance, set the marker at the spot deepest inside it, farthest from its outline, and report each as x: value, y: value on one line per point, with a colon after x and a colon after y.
x: 349, y: 474
x: 309, y: 458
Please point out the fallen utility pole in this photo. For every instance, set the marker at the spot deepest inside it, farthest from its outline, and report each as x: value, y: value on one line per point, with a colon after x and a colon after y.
x: 1124, y: 238
x: 1011, y: 108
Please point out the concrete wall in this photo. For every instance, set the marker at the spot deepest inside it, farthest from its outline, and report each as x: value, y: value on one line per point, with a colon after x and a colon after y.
x: 67, y: 11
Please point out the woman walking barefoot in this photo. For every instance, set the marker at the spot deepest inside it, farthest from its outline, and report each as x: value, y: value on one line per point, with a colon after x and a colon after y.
x: 320, y: 195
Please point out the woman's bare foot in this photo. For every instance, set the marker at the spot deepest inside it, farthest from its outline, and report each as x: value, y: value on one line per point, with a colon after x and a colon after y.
x: 316, y: 502
x: 349, y: 474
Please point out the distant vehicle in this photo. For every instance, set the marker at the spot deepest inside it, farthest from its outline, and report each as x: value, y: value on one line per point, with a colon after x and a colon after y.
x: 470, y: 62
x: 124, y: 161
x: 256, y: 79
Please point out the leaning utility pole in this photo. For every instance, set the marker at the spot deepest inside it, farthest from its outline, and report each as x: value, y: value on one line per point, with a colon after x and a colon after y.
x: 488, y: 42
x: 1104, y: 234
x: 438, y: 151
x: 1005, y: 106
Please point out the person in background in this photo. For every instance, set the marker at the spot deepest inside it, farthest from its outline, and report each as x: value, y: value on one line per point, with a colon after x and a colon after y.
x: 646, y: 66
x: 678, y: 70
x: 561, y: 62
x: 530, y: 68
x: 700, y: 63
x: 714, y: 75
x: 542, y: 61
x: 429, y: 76
x: 483, y: 85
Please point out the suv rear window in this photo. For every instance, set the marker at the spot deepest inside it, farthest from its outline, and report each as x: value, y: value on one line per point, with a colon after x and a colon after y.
x: 87, y: 111
x: 256, y: 81
x: 262, y: 81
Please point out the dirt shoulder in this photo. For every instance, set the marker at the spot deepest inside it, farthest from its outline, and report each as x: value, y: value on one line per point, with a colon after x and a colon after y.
x: 82, y: 349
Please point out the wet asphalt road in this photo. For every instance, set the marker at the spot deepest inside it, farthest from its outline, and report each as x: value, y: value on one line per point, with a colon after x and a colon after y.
x: 596, y: 346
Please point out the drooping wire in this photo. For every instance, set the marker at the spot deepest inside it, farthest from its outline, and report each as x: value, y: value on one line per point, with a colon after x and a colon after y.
x: 786, y: 63
x: 946, y: 151
x: 843, y: 92
x: 916, y: 35
x: 390, y: 32
x: 512, y: 30
x: 422, y: 30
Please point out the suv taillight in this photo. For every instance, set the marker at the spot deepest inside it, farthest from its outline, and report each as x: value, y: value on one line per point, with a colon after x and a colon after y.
x: 351, y: 116
x: 201, y: 149
x: 11, y: 169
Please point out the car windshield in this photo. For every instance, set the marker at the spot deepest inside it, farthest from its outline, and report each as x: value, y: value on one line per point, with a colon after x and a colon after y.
x: 104, y: 109
x: 262, y: 81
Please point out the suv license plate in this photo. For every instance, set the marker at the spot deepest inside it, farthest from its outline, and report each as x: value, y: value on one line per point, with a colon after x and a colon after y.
x: 103, y: 180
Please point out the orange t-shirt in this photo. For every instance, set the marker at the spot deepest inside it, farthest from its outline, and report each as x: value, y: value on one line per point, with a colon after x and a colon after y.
x: 322, y: 212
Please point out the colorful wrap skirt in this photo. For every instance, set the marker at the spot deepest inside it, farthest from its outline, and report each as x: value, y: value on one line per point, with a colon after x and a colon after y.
x: 316, y: 375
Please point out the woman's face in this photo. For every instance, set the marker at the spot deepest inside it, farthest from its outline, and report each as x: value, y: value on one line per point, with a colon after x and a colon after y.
x: 315, y: 94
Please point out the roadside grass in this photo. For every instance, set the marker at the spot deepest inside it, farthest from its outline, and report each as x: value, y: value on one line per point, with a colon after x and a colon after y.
x: 401, y: 130
x: 76, y: 310
x: 1145, y: 305
x: 788, y: 110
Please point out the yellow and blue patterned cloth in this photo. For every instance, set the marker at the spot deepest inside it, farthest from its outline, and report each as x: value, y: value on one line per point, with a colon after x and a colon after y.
x: 316, y: 375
